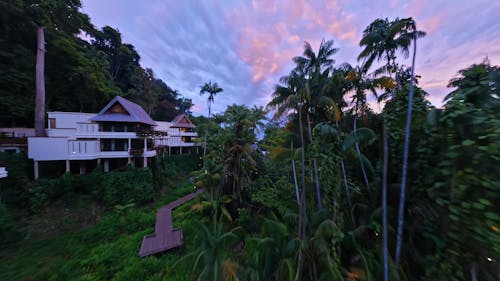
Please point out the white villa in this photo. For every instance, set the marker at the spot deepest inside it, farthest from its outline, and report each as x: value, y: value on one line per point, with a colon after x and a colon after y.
x: 122, y: 132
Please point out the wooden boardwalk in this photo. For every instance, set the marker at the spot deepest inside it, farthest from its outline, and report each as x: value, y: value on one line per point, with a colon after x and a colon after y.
x: 165, y: 236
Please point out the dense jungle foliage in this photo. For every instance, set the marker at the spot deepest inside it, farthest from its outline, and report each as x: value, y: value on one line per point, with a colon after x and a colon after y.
x: 332, y: 191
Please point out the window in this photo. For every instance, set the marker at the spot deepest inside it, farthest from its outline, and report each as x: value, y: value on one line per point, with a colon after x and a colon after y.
x: 52, y: 123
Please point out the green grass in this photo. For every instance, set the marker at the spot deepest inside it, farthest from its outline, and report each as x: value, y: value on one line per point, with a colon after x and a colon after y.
x: 105, y: 251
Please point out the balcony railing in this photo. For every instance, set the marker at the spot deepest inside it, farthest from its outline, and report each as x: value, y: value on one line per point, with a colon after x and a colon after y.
x: 136, y: 151
x: 150, y: 133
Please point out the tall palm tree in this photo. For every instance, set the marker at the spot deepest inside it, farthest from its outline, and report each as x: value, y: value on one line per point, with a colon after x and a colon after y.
x: 381, y: 40
x: 315, y: 68
x: 411, y: 28
x: 290, y: 96
x: 211, y: 89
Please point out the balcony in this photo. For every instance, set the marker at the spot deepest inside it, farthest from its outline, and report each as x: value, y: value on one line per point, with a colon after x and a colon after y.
x: 136, y: 151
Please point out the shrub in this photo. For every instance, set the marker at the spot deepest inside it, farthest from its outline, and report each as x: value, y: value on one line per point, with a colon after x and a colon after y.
x: 114, y: 188
x: 6, y: 222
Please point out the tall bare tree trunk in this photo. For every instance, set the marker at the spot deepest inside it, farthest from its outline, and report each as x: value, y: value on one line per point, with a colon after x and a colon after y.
x: 40, y: 84
x: 401, y: 213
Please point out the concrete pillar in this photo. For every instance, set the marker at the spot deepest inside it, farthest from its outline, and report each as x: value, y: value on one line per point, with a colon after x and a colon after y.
x: 98, y: 161
x: 83, y: 167
x: 129, y: 144
x: 169, y: 150
x: 106, y: 165
x: 180, y: 150
x: 145, y: 144
x: 68, y: 166
x: 35, y: 169
x: 145, y: 162
x: 129, y: 160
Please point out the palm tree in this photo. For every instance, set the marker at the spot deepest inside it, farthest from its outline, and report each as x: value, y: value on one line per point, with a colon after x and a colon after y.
x: 211, y: 89
x: 382, y: 39
x: 290, y: 97
x: 411, y: 28
x: 315, y: 67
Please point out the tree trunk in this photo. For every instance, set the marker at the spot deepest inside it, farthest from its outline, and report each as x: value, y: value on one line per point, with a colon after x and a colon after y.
x: 295, y: 177
x: 384, y: 206
x: 40, y: 84
x: 315, y: 166
x: 303, y: 217
x: 347, y: 193
x: 399, y: 237
x: 360, y: 160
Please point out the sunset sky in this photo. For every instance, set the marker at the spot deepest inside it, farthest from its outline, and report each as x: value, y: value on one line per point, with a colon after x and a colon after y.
x: 245, y: 46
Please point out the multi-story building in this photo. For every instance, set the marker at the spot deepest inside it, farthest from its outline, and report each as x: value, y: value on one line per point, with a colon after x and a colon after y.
x: 181, y: 135
x: 122, y: 132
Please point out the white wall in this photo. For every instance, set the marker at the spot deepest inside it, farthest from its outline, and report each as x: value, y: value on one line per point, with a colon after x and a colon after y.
x: 46, y: 148
x: 3, y: 172
x: 65, y: 120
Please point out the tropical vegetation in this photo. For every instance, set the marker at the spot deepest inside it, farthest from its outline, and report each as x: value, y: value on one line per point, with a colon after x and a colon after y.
x: 315, y: 186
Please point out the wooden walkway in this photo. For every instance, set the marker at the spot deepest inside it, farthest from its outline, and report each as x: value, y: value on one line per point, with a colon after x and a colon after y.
x: 165, y: 236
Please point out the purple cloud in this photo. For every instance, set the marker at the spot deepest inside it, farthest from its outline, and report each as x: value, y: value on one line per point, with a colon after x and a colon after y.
x: 246, y: 46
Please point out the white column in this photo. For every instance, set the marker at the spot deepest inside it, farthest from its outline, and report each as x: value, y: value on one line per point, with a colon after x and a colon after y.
x: 129, y: 144
x: 129, y: 160
x: 169, y: 150
x: 145, y: 162
x: 83, y: 167
x: 106, y: 165
x: 35, y: 169
x: 145, y: 144
x: 68, y: 167
x: 180, y: 150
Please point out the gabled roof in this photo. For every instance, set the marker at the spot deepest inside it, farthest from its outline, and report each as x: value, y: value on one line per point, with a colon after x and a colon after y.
x: 133, y: 113
x: 182, y: 121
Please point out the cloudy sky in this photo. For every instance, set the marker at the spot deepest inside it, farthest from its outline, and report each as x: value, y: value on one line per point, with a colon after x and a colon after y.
x: 245, y: 46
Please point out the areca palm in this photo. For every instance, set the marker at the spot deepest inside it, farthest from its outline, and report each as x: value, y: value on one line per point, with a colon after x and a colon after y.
x: 381, y: 40
x: 211, y: 89
x: 411, y: 28
x: 312, y: 62
x: 290, y: 97
x: 315, y: 68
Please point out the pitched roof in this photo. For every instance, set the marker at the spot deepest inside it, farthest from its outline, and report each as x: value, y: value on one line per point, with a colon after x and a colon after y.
x: 133, y: 113
x: 182, y: 121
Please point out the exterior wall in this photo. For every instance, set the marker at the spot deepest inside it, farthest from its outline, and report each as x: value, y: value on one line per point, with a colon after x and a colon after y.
x: 66, y: 120
x: 47, y: 148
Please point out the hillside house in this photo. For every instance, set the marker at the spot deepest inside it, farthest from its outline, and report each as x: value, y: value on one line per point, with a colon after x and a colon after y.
x: 121, y: 133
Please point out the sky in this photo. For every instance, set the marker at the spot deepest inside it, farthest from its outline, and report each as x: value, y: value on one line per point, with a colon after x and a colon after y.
x: 246, y: 46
